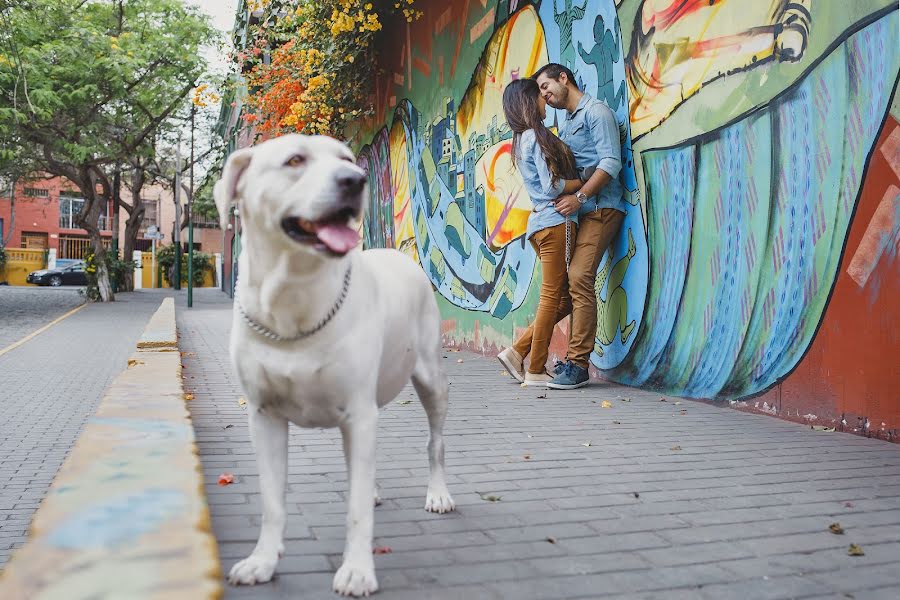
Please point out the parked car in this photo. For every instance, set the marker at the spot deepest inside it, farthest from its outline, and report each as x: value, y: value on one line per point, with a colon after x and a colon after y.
x: 72, y: 274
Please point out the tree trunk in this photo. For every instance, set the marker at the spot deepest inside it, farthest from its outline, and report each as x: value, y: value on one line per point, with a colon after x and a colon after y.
x: 136, y: 213
x: 12, y: 212
x: 89, y: 219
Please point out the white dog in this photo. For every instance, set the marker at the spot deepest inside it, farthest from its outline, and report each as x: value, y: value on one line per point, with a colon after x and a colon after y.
x: 323, y: 334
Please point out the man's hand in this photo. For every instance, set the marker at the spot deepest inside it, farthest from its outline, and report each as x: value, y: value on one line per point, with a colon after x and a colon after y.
x: 567, y: 205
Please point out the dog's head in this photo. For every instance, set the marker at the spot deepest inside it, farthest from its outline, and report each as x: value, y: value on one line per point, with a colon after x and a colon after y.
x: 306, y: 189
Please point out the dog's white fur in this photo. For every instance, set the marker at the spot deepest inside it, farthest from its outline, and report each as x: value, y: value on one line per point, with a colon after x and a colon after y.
x: 386, y: 333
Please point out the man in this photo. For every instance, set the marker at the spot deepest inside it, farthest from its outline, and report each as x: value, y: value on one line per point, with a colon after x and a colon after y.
x: 591, y: 131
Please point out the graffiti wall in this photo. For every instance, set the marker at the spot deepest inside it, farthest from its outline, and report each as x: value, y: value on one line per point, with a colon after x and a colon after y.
x: 757, y: 262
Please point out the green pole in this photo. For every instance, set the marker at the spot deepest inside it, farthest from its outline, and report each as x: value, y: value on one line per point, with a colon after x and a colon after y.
x: 190, y: 294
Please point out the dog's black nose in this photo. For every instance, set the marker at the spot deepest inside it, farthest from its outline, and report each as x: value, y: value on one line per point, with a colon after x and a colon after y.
x: 351, y: 184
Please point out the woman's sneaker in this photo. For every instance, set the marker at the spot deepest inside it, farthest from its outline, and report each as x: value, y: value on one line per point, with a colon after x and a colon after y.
x: 537, y: 379
x: 572, y: 377
x: 514, y: 363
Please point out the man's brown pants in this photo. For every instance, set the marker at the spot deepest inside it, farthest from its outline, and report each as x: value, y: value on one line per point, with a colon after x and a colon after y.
x: 596, y: 231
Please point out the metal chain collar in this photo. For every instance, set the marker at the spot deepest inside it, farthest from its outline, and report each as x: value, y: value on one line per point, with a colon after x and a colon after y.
x: 266, y: 332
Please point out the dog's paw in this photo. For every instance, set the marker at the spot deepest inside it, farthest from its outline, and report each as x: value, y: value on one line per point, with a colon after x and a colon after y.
x: 253, y: 569
x: 355, y: 579
x: 439, y: 501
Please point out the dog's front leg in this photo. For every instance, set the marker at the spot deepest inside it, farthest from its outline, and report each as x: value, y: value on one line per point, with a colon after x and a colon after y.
x: 356, y: 577
x: 270, y: 441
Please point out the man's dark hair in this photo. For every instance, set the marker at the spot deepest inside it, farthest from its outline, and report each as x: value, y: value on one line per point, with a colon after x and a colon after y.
x: 553, y: 71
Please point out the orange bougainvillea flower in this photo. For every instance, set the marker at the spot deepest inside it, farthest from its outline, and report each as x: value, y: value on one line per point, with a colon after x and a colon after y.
x: 226, y: 478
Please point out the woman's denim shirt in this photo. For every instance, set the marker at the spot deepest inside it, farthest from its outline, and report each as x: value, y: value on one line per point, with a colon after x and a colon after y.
x: 541, y: 189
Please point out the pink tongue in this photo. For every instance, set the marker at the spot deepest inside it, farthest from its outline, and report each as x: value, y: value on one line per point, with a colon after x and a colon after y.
x: 340, y: 239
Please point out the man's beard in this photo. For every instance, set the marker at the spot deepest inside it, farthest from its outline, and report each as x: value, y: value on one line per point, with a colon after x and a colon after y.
x: 562, y: 101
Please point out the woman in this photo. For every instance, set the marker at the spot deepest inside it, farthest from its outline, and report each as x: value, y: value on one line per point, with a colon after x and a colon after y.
x: 548, y: 171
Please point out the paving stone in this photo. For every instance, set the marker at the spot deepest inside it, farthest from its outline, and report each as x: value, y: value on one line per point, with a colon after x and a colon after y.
x: 52, y: 383
x: 747, y: 498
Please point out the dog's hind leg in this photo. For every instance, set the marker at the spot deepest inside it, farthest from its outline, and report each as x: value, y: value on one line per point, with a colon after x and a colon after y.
x: 356, y: 577
x: 270, y: 441
x: 433, y: 390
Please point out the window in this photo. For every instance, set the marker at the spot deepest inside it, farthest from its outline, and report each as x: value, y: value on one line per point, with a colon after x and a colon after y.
x: 31, y: 192
x: 69, y: 207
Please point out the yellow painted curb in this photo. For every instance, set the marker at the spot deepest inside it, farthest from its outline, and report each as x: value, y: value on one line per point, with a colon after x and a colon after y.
x: 126, y: 515
x: 15, y: 345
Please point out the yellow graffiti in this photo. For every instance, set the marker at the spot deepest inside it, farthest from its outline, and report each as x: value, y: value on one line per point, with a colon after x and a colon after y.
x: 516, y: 50
x: 680, y: 45
x: 404, y: 234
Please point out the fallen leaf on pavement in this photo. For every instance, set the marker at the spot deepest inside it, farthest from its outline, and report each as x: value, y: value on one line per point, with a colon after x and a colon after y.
x: 855, y: 550
x: 527, y: 457
x: 836, y: 529
x: 551, y: 539
x: 133, y: 361
x: 848, y: 505
x: 822, y: 428
x: 606, y: 404
x: 407, y: 401
x: 226, y: 478
x: 675, y: 448
x: 523, y: 384
x: 242, y: 401
x: 188, y: 397
x: 488, y: 497
x: 229, y: 426
x: 587, y: 444
x: 381, y: 550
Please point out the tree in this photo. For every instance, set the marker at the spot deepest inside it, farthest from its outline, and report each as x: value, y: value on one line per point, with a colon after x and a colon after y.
x: 86, y: 84
x: 311, y: 66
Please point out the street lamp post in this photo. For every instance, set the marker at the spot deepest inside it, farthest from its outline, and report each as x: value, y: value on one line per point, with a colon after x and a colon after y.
x: 190, y: 290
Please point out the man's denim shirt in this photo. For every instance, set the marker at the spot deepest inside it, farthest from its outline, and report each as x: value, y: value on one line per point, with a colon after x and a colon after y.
x: 592, y: 133
x: 539, y: 185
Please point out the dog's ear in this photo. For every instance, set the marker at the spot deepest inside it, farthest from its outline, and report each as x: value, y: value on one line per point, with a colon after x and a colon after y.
x: 225, y: 190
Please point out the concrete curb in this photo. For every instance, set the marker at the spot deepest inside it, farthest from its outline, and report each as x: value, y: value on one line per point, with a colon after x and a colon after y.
x: 126, y: 515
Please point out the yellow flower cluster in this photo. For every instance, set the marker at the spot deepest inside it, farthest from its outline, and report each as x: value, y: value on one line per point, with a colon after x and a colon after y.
x: 203, y: 97
x: 343, y: 20
x: 409, y: 14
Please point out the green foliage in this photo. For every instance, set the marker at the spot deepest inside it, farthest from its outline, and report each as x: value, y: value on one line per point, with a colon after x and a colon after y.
x: 3, y: 258
x: 165, y: 257
x: 116, y: 268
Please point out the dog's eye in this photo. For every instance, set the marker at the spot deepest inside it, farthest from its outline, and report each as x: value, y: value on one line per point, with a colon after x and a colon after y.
x: 295, y: 161
x: 349, y: 159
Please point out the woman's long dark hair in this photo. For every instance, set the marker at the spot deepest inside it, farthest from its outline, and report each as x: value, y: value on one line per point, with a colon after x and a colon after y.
x: 520, y: 103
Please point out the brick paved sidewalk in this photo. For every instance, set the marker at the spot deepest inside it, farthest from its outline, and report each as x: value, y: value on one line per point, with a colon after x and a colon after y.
x: 645, y: 499
x: 49, y: 387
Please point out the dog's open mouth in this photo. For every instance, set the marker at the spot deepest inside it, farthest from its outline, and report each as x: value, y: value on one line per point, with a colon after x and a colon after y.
x: 331, y: 234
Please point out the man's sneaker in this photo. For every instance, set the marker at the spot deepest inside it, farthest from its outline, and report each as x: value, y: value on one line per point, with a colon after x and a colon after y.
x: 537, y: 379
x: 558, y: 367
x: 572, y: 377
x: 514, y: 363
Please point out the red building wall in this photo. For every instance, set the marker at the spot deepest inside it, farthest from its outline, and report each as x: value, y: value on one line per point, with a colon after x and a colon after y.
x: 38, y: 215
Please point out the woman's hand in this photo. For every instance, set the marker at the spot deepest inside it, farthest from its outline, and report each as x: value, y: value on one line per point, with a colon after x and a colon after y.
x: 567, y: 205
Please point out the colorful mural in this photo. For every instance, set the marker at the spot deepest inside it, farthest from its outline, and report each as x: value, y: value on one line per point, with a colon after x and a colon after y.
x: 747, y: 132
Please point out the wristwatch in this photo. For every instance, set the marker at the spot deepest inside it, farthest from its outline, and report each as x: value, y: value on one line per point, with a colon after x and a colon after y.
x: 582, y: 198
